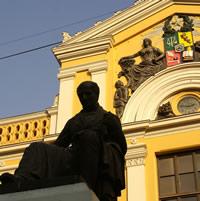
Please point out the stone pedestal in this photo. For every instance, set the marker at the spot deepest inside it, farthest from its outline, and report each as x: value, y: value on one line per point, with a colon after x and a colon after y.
x: 72, y: 192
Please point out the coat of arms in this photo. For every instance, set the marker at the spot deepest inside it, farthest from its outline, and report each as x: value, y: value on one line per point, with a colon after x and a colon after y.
x: 178, y: 40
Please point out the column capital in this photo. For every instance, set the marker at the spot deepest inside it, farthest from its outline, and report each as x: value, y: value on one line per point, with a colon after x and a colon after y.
x: 97, y: 67
x: 136, y: 155
x: 66, y: 74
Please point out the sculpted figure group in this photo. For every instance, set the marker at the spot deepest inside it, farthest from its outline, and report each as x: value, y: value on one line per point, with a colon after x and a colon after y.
x: 135, y: 74
x: 91, y: 144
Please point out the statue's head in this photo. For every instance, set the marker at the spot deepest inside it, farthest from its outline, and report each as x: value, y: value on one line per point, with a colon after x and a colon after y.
x: 147, y: 42
x: 119, y: 84
x: 88, y: 93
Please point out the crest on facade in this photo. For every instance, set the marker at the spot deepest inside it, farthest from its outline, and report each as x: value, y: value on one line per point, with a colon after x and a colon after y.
x: 178, y: 39
x: 179, y: 47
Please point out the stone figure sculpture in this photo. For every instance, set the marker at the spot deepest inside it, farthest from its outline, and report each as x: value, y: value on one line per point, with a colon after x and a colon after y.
x: 120, y: 98
x: 91, y: 144
x: 135, y: 74
x: 165, y: 111
x: 152, y: 62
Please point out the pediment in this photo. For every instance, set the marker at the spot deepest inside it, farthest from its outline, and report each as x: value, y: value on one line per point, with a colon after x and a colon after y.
x: 132, y: 16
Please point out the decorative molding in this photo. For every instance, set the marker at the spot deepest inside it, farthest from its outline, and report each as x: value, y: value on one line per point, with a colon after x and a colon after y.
x: 83, y: 49
x: 66, y: 74
x: 98, y: 67
x: 91, y: 67
x: 135, y: 162
x: 135, y: 155
x: 161, y: 86
x: 170, y: 126
x: 128, y: 17
x: 52, y: 110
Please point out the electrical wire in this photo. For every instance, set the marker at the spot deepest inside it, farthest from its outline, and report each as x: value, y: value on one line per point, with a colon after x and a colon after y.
x: 30, y: 50
x: 47, y: 31
x: 57, y: 28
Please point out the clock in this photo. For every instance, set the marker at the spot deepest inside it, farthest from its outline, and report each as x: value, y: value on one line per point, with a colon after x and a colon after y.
x: 189, y: 104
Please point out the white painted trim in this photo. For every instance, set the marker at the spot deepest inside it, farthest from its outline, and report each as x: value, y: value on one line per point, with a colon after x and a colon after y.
x: 169, y: 126
x: 136, y: 182
x: 91, y: 67
x: 136, y: 151
x: 98, y: 72
x: 67, y: 76
x: 130, y: 16
x: 65, y: 106
x: 144, y: 103
x: 83, y: 49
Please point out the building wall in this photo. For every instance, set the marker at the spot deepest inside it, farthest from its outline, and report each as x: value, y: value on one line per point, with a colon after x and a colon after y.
x: 94, y: 55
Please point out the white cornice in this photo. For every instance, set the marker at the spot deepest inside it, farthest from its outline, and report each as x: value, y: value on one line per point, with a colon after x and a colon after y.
x: 127, y: 18
x: 52, y: 110
x: 136, y: 151
x: 83, y: 49
x: 169, y: 126
x: 91, y: 67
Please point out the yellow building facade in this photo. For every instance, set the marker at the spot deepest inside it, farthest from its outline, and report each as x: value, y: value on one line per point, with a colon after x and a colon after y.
x: 161, y: 118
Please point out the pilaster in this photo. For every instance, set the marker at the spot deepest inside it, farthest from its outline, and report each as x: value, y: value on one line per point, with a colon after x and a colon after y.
x: 65, y: 105
x: 98, y: 73
x: 135, y: 166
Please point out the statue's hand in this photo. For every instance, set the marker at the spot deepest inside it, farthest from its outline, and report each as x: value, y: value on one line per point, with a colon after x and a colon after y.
x: 120, y: 74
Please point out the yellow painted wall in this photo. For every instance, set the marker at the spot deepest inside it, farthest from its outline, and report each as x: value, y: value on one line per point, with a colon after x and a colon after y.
x: 79, y: 77
x: 129, y: 41
x: 164, y: 144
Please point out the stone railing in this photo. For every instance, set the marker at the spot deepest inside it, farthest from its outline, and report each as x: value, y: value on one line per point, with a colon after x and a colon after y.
x: 24, y: 128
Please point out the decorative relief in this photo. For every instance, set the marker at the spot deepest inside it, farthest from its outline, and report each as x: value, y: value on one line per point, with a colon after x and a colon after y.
x: 120, y: 98
x: 179, y: 48
x: 165, y: 111
x: 136, y: 74
x: 178, y: 39
x: 135, y: 162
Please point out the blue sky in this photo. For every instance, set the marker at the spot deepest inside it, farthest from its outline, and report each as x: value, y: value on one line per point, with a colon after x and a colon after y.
x: 28, y: 82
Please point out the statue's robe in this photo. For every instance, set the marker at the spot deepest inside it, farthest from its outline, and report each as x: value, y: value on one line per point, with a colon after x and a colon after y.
x: 91, y: 144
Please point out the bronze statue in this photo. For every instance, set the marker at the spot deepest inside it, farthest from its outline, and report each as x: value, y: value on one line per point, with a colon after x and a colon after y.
x: 120, y: 98
x: 91, y: 144
x: 165, y: 111
x: 152, y: 62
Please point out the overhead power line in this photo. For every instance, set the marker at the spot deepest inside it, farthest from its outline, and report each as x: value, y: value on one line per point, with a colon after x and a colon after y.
x: 47, y: 31
x: 30, y: 50
x: 57, y: 28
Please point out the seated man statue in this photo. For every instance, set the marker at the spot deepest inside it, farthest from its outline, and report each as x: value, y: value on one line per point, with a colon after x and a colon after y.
x: 91, y: 144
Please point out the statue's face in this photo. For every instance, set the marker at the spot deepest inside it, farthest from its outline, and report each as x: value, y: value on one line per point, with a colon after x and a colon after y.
x: 88, y: 98
x: 146, y: 42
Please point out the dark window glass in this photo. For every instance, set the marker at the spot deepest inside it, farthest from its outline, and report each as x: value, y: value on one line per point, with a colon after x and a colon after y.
x: 185, y: 164
x: 179, y: 176
x: 167, y: 185
x: 187, y: 183
x: 166, y: 166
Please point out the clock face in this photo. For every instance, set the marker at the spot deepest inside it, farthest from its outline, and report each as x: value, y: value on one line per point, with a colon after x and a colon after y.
x: 188, y: 105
